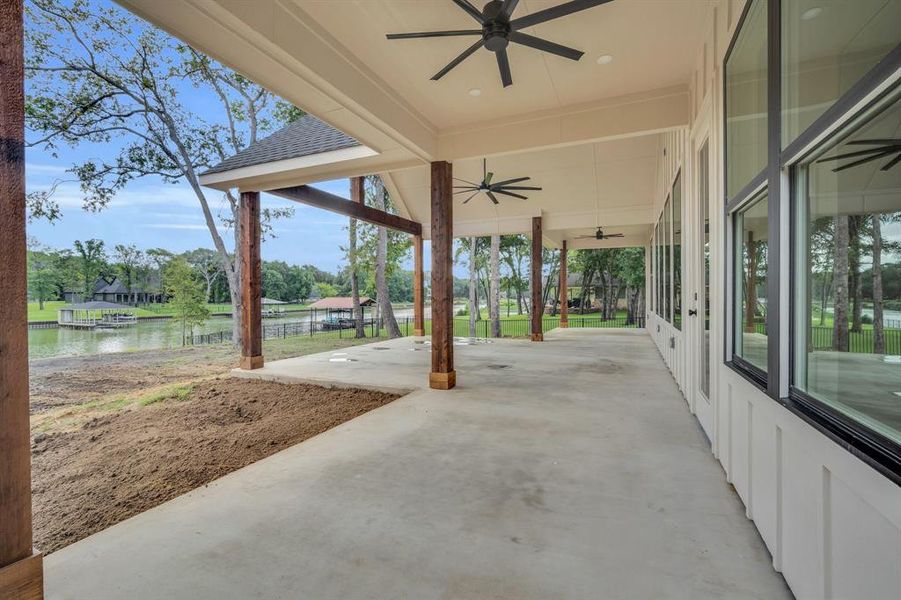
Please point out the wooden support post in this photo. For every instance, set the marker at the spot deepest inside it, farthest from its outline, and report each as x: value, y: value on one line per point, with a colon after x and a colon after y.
x: 443, y: 376
x: 251, y: 283
x: 564, y: 290
x: 418, y: 296
x: 537, y: 304
x: 21, y: 568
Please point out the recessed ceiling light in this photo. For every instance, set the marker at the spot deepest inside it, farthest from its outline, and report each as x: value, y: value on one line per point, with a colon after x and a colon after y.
x: 605, y: 59
x: 475, y: 92
x: 811, y: 13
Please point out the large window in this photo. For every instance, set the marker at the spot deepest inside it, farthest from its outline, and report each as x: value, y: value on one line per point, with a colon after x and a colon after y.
x: 751, y: 245
x: 822, y: 76
x: 677, y: 252
x: 848, y: 291
x: 826, y: 48
x: 746, y: 101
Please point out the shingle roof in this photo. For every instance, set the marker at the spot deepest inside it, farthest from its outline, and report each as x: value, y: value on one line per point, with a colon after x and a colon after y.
x: 305, y: 136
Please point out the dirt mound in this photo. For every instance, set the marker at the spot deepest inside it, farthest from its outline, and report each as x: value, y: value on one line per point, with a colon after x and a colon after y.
x: 123, y: 463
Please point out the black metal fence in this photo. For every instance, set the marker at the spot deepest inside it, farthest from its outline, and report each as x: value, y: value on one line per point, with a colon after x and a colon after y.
x: 346, y: 328
x: 859, y: 342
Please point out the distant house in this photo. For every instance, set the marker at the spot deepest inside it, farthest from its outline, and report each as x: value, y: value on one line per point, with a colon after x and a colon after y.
x: 115, y: 290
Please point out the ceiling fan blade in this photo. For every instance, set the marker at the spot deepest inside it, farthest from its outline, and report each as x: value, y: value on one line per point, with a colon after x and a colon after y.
x: 612, y: 235
x: 891, y: 163
x: 517, y: 180
x: 853, y: 154
x: 472, y: 189
x: 585, y: 237
x: 465, y: 181
x: 432, y: 34
x: 471, y: 10
x: 545, y: 46
x: 463, y: 56
x: 518, y: 187
x: 488, y: 178
x: 866, y: 159
x: 506, y: 193
x: 554, y: 12
x: 503, y: 64
x: 470, y: 198
x: 492, y: 196
x: 508, y: 8
x: 891, y: 141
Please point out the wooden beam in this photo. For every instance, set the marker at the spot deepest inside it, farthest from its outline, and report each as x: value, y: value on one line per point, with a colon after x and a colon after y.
x: 564, y: 290
x: 251, y: 283
x: 418, y: 295
x: 311, y: 196
x: 20, y: 567
x: 537, y: 304
x: 443, y: 376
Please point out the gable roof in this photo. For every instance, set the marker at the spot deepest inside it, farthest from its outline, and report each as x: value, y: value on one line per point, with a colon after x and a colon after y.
x: 304, y: 137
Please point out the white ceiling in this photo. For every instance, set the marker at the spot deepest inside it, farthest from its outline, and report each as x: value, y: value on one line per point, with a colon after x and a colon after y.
x: 653, y: 43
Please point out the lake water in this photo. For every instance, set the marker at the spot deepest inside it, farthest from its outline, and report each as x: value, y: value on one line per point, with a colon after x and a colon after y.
x: 146, y: 335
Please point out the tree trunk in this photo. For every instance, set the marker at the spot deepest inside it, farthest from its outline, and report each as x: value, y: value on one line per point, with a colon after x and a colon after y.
x: 751, y: 286
x: 878, y: 325
x: 855, y: 292
x: 381, y: 264
x: 494, y: 301
x: 355, y: 280
x: 840, y: 285
x: 473, y: 288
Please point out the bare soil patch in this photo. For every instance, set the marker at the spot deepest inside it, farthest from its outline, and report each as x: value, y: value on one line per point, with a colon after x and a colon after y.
x: 117, y: 463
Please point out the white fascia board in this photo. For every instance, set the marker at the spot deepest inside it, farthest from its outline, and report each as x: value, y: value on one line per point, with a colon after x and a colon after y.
x: 272, y: 170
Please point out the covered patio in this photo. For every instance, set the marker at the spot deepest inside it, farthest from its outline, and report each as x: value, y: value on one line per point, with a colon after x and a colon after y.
x: 568, y: 469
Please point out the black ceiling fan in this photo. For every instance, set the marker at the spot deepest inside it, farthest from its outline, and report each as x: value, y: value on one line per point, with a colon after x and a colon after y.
x: 490, y: 189
x: 882, y: 148
x: 498, y: 29
x: 600, y: 235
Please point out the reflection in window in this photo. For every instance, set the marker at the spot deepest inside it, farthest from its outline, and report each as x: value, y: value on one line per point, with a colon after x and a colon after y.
x: 848, y: 318
x: 746, y: 102
x: 751, y: 237
x: 704, y: 205
x: 677, y: 252
x: 827, y: 48
x: 667, y: 260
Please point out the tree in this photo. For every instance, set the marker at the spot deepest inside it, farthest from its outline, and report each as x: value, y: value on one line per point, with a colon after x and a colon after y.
x: 878, y: 303
x: 474, y: 312
x: 513, y: 250
x: 97, y: 74
x: 129, y: 263
x: 92, y: 264
x: 273, y: 284
x: 494, y: 299
x: 45, y: 277
x: 207, y: 264
x: 326, y: 290
x: 352, y: 260
x: 840, y: 284
x: 386, y: 256
x: 186, y: 295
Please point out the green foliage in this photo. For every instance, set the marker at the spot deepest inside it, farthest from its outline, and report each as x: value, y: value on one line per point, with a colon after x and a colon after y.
x: 187, y: 297
x: 92, y: 264
x: 326, y: 290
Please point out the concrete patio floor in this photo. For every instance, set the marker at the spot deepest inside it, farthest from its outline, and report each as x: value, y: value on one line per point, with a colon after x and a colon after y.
x: 564, y: 469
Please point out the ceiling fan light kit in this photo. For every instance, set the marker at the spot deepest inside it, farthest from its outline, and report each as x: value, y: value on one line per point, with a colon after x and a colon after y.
x: 499, y: 28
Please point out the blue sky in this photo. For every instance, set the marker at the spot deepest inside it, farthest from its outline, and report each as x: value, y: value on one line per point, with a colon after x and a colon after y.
x: 151, y: 213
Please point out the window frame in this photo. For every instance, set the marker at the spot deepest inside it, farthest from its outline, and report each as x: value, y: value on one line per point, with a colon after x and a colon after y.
x: 779, y: 178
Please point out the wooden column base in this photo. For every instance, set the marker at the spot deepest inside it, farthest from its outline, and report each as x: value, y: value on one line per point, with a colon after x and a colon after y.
x: 442, y: 381
x: 419, y: 332
x: 564, y: 324
x: 249, y: 363
x: 23, y: 580
x: 537, y: 337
